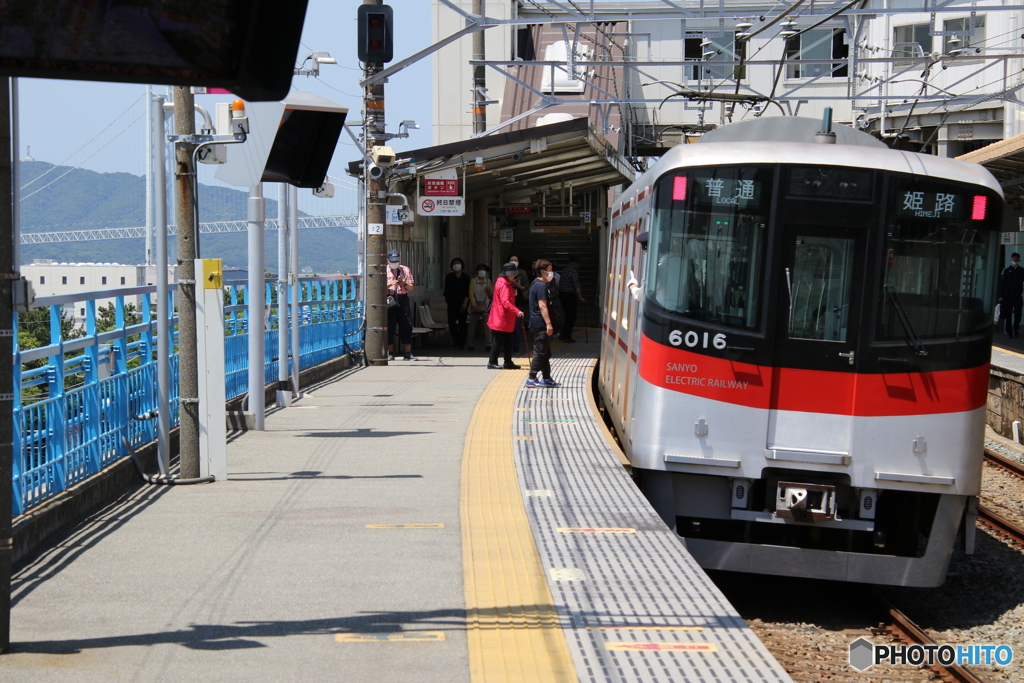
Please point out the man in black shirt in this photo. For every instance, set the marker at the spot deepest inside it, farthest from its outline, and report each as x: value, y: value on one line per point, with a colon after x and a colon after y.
x: 1011, y: 287
x: 456, y: 296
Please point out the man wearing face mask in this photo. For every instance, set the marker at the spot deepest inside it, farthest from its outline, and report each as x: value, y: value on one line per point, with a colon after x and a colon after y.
x: 400, y: 283
x: 1011, y: 287
x: 456, y: 295
x: 540, y: 326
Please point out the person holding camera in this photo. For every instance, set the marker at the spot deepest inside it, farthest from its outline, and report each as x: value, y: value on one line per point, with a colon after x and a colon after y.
x: 400, y: 283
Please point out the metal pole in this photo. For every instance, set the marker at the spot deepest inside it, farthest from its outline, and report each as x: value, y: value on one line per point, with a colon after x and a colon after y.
x: 256, y: 302
x: 293, y: 254
x: 6, y: 367
x: 479, y: 76
x: 151, y: 234
x: 376, y: 287
x: 284, y: 397
x: 16, y: 173
x: 158, y: 143
x: 188, y: 369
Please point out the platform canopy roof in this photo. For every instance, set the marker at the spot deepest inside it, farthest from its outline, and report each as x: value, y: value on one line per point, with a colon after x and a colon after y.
x: 521, y: 163
x: 1004, y: 160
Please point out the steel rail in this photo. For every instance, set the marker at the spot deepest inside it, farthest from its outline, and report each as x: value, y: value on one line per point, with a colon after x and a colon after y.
x: 995, y: 521
x: 1005, y: 463
x: 905, y: 628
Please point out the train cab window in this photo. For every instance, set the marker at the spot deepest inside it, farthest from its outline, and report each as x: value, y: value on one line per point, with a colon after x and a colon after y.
x: 707, y: 243
x: 940, y: 262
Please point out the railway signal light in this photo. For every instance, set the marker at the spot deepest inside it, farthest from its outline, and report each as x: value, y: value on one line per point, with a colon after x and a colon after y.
x: 374, y: 39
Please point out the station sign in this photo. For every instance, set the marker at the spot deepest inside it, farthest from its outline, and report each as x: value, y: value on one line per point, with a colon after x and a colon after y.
x: 505, y: 235
x: 557, y: 225
x: 518, y: 208
x: 441, y: 206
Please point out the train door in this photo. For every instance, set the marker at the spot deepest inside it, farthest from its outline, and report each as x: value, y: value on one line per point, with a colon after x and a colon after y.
x: 816, y: 343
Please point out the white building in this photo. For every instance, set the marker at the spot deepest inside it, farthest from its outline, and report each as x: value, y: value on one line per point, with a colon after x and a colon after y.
x: 50, y: 278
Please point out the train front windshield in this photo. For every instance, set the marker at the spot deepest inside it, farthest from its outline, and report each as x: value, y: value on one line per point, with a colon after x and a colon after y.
x: 939, y: 263
x: 707, y: 253
x: 709, y: 244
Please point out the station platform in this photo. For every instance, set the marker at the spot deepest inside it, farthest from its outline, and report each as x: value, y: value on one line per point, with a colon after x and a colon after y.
x: 429, y: 521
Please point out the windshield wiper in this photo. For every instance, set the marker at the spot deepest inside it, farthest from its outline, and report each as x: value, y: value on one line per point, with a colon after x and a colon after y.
x: 912, y: 338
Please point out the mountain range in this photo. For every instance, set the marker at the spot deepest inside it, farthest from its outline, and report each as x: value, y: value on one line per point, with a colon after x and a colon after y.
x: 61, y: 198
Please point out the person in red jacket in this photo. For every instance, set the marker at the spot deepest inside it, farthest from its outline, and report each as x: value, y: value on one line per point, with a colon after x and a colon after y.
x: 502, y: 319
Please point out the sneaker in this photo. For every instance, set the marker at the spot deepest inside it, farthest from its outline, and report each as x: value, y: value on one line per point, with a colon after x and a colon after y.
x: 391, y: 356
x: 409, y: 356
x: 532, y: 384
x: 493, y: 366
x: 512, y: 366
x: 549, y: 383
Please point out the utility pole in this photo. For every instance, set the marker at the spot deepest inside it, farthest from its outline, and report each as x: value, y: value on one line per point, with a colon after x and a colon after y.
x: 188, y: 369
x: 7, y: 268
x: 376, y: 197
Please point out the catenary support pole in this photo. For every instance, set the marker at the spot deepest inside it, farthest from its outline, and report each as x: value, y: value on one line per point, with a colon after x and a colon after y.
x: 376, y: 198
x: 188, y: 377
x: 284, y: 395
x: 151, y: 123
x: 6, y: 367
x: 158, y: 143
x: 293, y: 257
x: 479, y: 76
x: 256, y: 303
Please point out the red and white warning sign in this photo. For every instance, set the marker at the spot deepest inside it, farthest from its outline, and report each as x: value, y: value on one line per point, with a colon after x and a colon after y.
x: 441, y: 206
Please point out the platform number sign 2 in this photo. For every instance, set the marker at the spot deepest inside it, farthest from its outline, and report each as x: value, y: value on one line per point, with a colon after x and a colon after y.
x: 693, y: 339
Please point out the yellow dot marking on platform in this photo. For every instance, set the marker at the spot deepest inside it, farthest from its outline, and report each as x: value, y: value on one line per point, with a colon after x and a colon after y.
x: 526, y: 438
x: 524, y: 410
x: 405, y: 526
x: 403, y: 637
x: 513, y: 629
x: 594, y: 530
x: 647, y: 647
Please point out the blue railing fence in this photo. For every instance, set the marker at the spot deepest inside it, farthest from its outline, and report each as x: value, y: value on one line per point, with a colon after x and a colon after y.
x: 75, y: 398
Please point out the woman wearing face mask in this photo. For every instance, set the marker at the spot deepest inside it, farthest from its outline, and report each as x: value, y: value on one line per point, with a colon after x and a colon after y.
x: 503, y: 317
x: 480, y: 293
x: 400, y: 283
x: 540, y: 326
x: 456, y: 295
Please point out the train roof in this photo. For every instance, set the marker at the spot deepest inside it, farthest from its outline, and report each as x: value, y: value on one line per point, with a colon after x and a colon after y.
x: 790, y: 140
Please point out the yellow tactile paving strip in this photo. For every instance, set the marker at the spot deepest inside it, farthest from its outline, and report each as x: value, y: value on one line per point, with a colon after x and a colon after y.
x: 514, y: 632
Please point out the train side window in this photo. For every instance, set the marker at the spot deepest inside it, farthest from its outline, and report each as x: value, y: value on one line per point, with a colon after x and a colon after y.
x: 708, y: 234
x: 941, y: 259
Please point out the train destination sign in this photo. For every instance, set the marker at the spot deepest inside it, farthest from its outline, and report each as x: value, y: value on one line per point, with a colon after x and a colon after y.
x: 735, y: 192
x: 921, y: 204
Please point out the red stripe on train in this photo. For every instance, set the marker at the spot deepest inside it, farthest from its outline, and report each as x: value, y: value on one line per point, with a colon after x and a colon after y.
x: 813, y: 391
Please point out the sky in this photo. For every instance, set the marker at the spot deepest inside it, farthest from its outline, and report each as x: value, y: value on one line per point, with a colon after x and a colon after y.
x: 100, y: 126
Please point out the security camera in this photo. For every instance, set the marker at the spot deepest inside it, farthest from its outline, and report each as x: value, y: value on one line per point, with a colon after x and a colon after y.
x: 375, y: 171
x: 382, y: 155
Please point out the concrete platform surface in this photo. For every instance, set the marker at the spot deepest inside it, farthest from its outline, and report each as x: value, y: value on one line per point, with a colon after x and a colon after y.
x: 264, y: 570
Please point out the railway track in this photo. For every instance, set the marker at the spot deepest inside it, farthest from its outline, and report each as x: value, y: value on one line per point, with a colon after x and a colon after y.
x: 1000, y: 520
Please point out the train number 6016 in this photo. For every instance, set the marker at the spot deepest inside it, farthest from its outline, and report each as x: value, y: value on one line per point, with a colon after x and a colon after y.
x: 692, y: 339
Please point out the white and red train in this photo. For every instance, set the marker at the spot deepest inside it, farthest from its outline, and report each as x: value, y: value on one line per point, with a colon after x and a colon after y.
x: 800, y: 379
